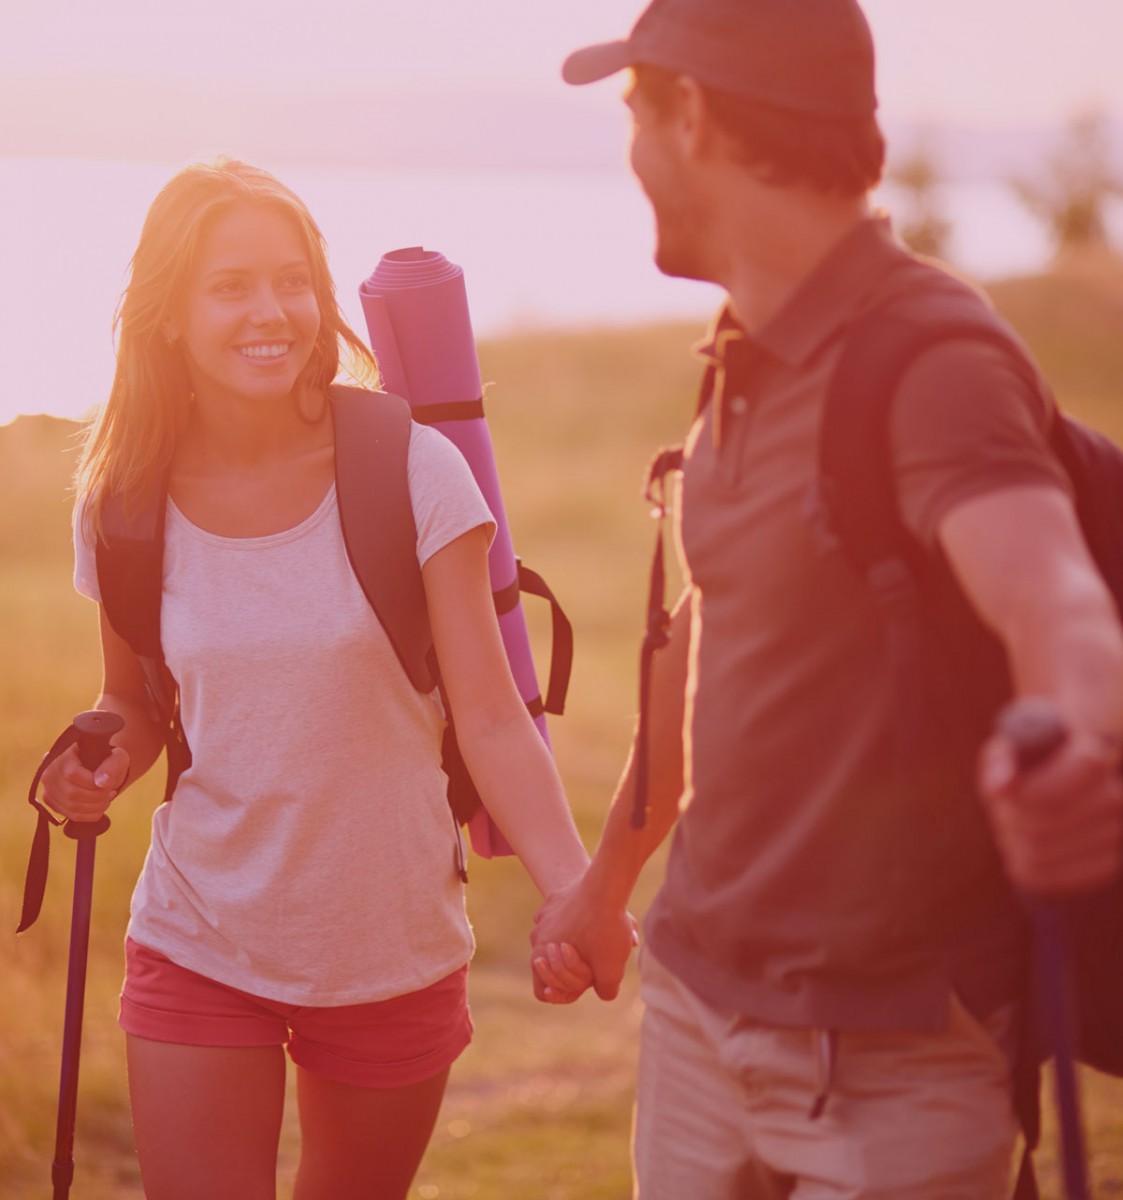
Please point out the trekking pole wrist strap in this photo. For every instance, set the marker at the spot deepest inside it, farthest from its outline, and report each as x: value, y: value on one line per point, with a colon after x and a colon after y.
x: 35, y: 881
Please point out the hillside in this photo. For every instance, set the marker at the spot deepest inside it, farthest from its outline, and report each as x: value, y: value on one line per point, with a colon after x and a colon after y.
x: 1072, y: 320
x: 576, y: 415
x: 37, y: 459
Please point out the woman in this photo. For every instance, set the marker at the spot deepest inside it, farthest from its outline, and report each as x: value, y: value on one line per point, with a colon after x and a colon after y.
x: 300, y: 888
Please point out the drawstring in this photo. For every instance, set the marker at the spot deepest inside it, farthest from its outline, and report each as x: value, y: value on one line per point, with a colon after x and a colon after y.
x: 826, y: 1056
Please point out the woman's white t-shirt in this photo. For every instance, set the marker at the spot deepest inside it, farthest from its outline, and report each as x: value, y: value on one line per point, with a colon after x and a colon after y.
x: 308, y: 854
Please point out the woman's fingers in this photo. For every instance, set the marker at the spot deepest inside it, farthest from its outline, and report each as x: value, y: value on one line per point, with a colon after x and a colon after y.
x: 561, y: 973
x: 78, y: 794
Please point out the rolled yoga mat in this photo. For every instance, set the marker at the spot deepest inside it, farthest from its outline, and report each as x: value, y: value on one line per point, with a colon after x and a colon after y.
x: 416, y: 309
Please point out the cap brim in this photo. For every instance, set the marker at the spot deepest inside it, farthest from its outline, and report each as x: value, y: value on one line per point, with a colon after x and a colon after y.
x: 597, y: 62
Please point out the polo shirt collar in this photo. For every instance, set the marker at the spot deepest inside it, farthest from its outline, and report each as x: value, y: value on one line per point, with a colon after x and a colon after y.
x: 821, y: 304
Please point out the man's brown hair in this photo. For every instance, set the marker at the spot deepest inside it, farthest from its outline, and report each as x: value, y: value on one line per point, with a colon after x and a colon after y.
x: 842, y: 156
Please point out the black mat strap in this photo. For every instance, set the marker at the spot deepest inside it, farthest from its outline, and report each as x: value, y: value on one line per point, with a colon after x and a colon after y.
x: 460, y: 410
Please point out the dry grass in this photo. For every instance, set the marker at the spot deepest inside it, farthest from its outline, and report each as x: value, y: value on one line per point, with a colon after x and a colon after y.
x: 540, y: 1105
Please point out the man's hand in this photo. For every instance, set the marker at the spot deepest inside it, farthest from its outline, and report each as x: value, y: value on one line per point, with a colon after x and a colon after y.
x: 577, y: 942
x: 1058, y: 824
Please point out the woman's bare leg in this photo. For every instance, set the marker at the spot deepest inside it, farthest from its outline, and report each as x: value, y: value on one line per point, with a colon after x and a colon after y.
x: 363, y: 1143
x: 207, y: 1119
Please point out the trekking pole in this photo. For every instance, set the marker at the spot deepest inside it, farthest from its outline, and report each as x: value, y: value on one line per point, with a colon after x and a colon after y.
x: 95, y: 728
x: 1036, y: 731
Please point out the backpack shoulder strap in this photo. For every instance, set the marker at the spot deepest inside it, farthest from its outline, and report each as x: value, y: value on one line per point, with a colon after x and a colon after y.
x: 130, y: 568
x: 130, y: 572
x: 372, y: 431
x: 856, y: 480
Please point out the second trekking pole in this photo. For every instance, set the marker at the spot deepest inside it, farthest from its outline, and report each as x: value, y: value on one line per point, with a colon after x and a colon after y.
x: 1036, y: 731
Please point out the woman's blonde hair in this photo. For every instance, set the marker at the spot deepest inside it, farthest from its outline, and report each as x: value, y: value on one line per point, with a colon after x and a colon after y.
x: 129, y: 445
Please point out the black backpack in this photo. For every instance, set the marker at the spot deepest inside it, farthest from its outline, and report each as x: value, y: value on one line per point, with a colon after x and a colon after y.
x: 372, y: 431
x: 858, y: 499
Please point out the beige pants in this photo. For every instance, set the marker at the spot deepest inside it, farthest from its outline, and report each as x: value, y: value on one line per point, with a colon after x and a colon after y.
x: 723, y: 1103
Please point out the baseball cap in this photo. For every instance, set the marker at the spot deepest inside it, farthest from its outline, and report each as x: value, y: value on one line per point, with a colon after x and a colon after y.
x: 808, y: 56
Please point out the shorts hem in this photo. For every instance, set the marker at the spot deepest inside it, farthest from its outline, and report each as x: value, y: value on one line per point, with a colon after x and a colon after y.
x: 384, y: 1075
x: 193, y: 1029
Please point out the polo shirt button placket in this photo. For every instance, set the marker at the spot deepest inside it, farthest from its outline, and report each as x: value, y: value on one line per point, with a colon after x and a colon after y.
x: 733, y: 437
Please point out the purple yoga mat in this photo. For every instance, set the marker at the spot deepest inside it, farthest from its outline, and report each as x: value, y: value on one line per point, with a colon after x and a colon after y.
x: 416, y: 309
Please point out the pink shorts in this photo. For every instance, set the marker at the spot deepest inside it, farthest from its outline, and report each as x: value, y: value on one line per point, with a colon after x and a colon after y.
x: 383, y: 1044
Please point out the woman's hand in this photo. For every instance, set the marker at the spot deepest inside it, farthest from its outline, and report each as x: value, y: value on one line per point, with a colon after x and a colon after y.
x: 561, y: 975
x: 78, y: 794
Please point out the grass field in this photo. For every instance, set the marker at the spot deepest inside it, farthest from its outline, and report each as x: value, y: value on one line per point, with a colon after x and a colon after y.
x: 540, y: 1105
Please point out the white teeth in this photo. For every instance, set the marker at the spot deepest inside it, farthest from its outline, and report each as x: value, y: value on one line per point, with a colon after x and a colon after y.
x: 271, y: 351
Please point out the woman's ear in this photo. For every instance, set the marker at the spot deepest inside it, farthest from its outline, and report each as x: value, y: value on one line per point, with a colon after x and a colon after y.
x: 169, y: 331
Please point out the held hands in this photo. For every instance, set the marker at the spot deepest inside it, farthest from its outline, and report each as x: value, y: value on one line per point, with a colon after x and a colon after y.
x: 1058, y: 822
x: 79, y: 794
x: 561, y: 975
x: 577, y: 943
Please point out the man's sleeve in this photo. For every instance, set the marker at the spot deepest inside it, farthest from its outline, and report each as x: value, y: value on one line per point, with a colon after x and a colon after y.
x: 967, y: 421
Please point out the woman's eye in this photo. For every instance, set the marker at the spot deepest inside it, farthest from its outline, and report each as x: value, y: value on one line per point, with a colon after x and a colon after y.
x: 228, y: 287
x: 295, y: 282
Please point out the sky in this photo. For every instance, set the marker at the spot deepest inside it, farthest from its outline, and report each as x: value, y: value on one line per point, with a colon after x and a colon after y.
x: 975, y: 61
x: 415, y: 86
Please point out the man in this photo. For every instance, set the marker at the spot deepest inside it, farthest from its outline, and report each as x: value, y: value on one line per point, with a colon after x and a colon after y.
x: 830, y: 967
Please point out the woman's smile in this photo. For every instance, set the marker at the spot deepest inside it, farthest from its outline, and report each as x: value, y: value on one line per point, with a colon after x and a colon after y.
x: 249, y: 320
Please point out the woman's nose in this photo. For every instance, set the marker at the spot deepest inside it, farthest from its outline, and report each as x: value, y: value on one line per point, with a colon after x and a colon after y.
x: 267, y: 308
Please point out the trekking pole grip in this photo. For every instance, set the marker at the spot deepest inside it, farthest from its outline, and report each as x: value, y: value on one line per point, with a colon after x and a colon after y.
x: 95, y: 728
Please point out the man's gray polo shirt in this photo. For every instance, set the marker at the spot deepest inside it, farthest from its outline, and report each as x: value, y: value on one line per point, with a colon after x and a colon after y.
x: 793, y: 893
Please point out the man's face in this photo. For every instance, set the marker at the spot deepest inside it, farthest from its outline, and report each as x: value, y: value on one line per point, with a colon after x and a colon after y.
x: 657, y: 162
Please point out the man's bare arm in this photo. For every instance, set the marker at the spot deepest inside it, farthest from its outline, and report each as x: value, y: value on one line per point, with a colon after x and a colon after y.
x: 592, y: 915
x: 1022, y: 562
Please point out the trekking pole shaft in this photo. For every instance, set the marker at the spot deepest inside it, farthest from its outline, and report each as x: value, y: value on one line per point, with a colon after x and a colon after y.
x: 1054, y: 987
x: 62, y: 1170
x: 1036, y: 733
x: 95, y: 729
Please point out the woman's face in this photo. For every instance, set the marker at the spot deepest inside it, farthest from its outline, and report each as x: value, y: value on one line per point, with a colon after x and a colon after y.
x: 249, y: 318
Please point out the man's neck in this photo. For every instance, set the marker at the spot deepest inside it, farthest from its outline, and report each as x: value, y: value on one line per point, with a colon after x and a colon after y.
x: 771, y: 248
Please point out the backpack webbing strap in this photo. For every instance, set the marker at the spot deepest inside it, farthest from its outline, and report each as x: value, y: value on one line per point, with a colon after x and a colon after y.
x: 561, y: 654
x: 163, y: 695
x: 35, y: 881
x: 658, y: 622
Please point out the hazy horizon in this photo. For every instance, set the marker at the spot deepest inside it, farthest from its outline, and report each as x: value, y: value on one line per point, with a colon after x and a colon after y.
x: 541, y: 211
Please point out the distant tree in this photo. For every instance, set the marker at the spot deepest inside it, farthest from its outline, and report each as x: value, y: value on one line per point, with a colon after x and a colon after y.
x: 922, y: 226
x: 1080, y: 180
